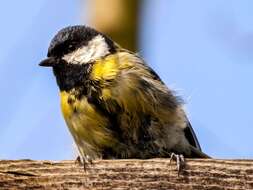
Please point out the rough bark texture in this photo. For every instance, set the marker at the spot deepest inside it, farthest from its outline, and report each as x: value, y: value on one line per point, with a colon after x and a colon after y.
x: 127, y: 174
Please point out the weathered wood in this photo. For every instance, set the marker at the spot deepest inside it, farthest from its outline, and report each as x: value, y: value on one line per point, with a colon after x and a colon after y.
x: 127, y: 174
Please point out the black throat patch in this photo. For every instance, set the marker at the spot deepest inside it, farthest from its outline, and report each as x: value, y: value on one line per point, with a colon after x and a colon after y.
x: 69, y: 76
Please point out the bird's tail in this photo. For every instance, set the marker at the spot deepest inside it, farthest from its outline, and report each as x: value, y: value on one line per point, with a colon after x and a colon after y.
x: 196, y: 153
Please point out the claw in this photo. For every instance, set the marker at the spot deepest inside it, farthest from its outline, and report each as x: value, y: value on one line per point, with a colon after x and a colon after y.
x: 78, y: 160
x: 84, y: 161
x: 179, y: 158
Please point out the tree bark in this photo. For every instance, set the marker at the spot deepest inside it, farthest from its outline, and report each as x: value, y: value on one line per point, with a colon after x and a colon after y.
x: 116, y: 18
x: 127, y: 174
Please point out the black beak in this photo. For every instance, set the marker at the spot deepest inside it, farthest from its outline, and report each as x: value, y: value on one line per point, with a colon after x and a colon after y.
x: 49, y: 62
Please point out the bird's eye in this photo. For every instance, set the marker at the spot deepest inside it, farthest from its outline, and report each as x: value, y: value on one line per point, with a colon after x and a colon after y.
x: 71, y: 46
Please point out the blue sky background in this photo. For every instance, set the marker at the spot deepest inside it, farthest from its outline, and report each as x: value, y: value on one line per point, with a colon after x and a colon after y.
x: 202, y: 49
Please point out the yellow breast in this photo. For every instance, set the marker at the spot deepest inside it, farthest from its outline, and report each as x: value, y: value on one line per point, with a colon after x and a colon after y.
x: 67, y: 109
x: 88, y: 127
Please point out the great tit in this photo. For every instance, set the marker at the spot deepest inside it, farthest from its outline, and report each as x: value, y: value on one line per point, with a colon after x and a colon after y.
x: 114, y: 104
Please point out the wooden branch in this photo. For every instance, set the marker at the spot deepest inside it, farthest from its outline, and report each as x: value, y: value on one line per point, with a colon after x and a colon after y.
x: 127, y: 174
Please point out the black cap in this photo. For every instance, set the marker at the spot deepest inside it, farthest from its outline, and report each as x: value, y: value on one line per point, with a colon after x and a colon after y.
x: 73, y: 37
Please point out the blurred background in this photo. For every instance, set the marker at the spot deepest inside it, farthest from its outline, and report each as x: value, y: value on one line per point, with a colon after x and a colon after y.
x: 202, y: 49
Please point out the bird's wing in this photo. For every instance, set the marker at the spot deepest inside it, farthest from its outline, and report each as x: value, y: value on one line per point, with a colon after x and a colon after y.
x: 127, y: 81
x: 128, y: 85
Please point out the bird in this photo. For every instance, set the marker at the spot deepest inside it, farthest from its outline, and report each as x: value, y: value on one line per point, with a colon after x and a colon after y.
x: 114, y: 104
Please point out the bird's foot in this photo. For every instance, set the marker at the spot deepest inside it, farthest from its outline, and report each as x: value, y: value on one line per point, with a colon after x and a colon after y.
x: 84, y: 161
x: 180, y: 161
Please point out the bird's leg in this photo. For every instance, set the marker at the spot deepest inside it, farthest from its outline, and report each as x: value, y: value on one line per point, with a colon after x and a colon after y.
x: 179, y: 158
x: 84, y: 161
x: 78, y: 160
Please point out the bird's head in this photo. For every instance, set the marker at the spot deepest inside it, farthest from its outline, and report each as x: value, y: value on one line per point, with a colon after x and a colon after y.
x: 72, y: 51
x: 77, y: 45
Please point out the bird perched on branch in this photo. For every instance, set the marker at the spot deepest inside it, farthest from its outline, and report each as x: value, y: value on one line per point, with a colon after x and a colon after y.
x: 114, y: 104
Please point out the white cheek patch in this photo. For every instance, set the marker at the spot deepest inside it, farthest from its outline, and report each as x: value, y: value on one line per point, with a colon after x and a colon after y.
x: 95, y: 49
